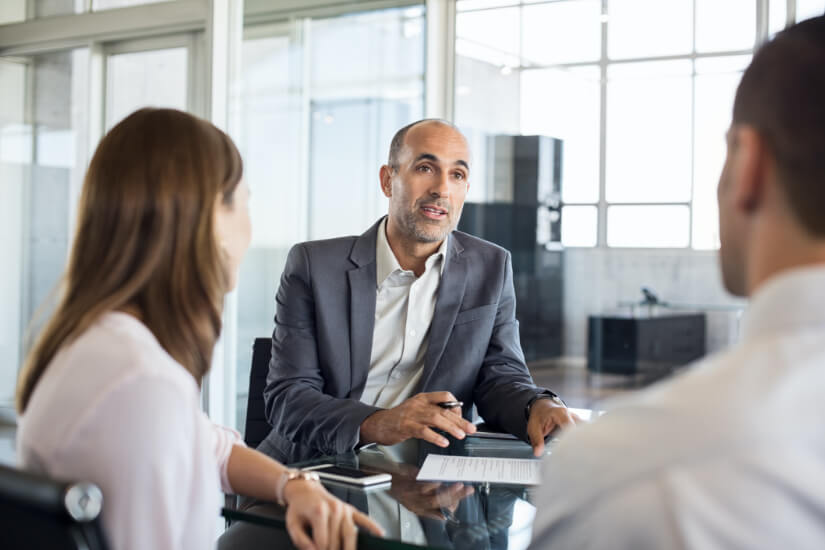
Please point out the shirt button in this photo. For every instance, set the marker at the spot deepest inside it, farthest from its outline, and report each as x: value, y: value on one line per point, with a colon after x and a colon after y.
x: 412, y: 332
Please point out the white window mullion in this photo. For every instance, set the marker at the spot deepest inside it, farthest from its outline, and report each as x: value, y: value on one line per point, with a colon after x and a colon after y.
x: 224, y: 32
x: 602, y: 217
x: 439, y: 78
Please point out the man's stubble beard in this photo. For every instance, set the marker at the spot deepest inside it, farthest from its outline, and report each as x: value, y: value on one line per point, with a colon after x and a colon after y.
x: 414, y: 230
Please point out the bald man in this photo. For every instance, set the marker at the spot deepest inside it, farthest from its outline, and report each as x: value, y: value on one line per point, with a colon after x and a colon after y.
x: 378, y: 337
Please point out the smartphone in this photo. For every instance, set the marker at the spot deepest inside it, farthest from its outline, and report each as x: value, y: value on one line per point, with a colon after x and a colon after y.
x: 352, y: 476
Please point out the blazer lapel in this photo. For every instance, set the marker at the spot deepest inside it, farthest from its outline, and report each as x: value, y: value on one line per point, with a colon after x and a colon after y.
x: 450, y: 296
x: 362, y: 284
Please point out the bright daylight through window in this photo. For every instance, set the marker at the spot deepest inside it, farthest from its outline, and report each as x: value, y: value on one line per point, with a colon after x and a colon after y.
x: 639, y: 91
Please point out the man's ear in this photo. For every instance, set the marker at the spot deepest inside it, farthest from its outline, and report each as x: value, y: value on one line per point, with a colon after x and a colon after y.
x: 385, y: 176
x: 750, y: 168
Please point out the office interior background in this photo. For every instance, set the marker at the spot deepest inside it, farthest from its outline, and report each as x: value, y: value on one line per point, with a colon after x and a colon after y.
x: 637, y: 95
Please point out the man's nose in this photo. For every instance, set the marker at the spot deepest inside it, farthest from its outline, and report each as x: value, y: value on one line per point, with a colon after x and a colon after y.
x: 441, y: 186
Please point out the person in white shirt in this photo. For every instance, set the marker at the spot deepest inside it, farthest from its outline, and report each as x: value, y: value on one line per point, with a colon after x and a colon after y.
x: 730, y: 454
x: 110, y: 391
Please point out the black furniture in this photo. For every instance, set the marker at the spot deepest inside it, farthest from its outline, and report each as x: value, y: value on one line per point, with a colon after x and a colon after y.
x: 38, y: 512
x: 523, y: 215
x: 256, y: 427
x: 642, y: 345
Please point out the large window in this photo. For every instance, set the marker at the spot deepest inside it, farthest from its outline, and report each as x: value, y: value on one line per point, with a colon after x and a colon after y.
x: 57, y: 102
x: 43, y: 153
x: 640, y: 92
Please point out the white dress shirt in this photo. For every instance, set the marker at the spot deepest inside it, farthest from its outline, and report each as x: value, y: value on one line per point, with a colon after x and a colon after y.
x: 730, y: 454
x: 404, y: 307
x: 115, y: 409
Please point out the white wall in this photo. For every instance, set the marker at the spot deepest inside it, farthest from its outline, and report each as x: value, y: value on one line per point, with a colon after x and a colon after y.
x: 596, y: 280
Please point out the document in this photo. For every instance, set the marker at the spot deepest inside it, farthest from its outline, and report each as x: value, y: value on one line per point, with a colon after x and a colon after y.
x: 513, y: 471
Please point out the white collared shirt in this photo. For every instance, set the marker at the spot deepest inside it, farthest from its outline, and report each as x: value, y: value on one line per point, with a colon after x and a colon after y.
x: 730, y: 454
x: 404, y: 308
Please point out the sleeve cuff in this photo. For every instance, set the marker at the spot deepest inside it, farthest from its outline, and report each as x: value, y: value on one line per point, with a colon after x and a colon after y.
x: 225, y: 440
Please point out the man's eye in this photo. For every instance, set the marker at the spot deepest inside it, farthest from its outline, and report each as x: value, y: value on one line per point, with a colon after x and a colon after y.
x: 459, y: 176
x: 424, y: 168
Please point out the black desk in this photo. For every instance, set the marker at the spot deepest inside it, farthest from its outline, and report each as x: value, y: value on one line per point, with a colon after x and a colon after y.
x: 414, y: 514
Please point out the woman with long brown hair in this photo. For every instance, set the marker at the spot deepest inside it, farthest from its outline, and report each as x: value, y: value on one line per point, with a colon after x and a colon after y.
x: 110, y: 392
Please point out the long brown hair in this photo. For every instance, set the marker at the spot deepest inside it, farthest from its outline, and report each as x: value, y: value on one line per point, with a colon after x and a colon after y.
x: 146, y: 240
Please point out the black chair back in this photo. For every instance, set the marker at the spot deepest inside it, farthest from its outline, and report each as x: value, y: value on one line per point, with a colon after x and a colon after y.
x: 257, y: 427
x: 38, y: 512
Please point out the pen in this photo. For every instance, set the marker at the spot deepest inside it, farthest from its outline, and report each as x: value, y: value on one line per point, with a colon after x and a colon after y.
x: 450, y: 404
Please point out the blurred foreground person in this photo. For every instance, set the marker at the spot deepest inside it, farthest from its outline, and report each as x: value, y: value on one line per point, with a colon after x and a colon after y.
x: 732, y: 453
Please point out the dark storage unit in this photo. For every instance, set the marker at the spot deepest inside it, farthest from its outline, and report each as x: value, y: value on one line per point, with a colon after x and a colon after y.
x: 628, y: 345
x: 529, y: 226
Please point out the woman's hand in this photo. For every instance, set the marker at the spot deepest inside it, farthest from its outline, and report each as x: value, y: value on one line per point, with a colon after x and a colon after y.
x: 334, y: 524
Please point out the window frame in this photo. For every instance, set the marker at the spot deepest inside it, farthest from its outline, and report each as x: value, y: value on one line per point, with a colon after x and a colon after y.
x: 762, y: 33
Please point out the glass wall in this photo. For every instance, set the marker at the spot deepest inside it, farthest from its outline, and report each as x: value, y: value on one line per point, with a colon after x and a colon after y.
x: 156, y: 77
x: 319, y: 102
x: 43, y: 152
x: 641, y: 108
x: 47, y: 117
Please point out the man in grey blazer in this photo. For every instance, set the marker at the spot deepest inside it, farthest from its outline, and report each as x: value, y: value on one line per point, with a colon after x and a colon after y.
x: 375, y: 334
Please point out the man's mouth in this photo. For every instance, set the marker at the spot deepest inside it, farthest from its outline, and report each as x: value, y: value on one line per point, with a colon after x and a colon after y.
x: 434, y: 212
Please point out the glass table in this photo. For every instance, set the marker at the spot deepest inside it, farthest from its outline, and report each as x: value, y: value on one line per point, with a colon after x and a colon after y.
x: 414, y: 514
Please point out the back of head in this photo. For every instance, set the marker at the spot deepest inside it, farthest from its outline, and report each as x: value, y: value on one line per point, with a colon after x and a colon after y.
x: 145, y: 239
x: 782, y: 95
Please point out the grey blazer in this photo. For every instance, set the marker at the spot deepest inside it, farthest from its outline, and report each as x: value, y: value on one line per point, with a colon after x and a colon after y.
x: 322, y: 343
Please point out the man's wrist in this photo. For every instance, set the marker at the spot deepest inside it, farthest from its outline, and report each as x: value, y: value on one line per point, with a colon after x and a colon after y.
x: 552, y: 397
x: 366, y: 430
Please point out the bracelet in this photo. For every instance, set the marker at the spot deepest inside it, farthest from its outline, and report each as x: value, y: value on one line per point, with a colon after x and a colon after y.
x: 288, y: 475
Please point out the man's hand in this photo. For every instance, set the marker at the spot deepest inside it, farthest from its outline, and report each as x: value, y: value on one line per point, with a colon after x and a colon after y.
x: 545, y: 416
x: 415, y: 418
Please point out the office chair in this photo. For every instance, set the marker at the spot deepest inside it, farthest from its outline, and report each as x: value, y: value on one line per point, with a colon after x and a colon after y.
x: 38, y: 512
x: 257, y: 427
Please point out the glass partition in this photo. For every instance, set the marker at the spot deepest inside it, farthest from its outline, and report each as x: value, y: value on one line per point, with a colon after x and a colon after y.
x: 319, y: 101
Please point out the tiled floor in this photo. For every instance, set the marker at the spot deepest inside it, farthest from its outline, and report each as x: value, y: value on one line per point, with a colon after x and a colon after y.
x: 581, y: 389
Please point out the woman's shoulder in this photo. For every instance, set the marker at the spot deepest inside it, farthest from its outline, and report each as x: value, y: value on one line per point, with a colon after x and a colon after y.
x: 89, y: 378
x: 119, y: 346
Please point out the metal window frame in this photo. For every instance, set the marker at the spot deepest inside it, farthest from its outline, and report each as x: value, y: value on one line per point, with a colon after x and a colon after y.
x: 761, y: 35
x: 79, y: 30
x: 207, y: 28
x: 193, y: 42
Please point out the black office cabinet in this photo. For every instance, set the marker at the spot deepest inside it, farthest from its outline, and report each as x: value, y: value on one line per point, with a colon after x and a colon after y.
x: 527, y: 222
x: 629, y: 345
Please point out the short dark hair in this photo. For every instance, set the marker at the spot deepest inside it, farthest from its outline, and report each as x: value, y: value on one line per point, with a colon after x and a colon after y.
x: 782, y: 95
x: 397, y: 142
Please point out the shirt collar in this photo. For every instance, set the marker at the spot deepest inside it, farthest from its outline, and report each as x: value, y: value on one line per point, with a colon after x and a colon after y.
x: 387, y: 263
x: 791, y: 300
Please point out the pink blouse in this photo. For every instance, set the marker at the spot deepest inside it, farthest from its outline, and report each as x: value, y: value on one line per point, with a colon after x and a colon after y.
x: 115, y: 409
